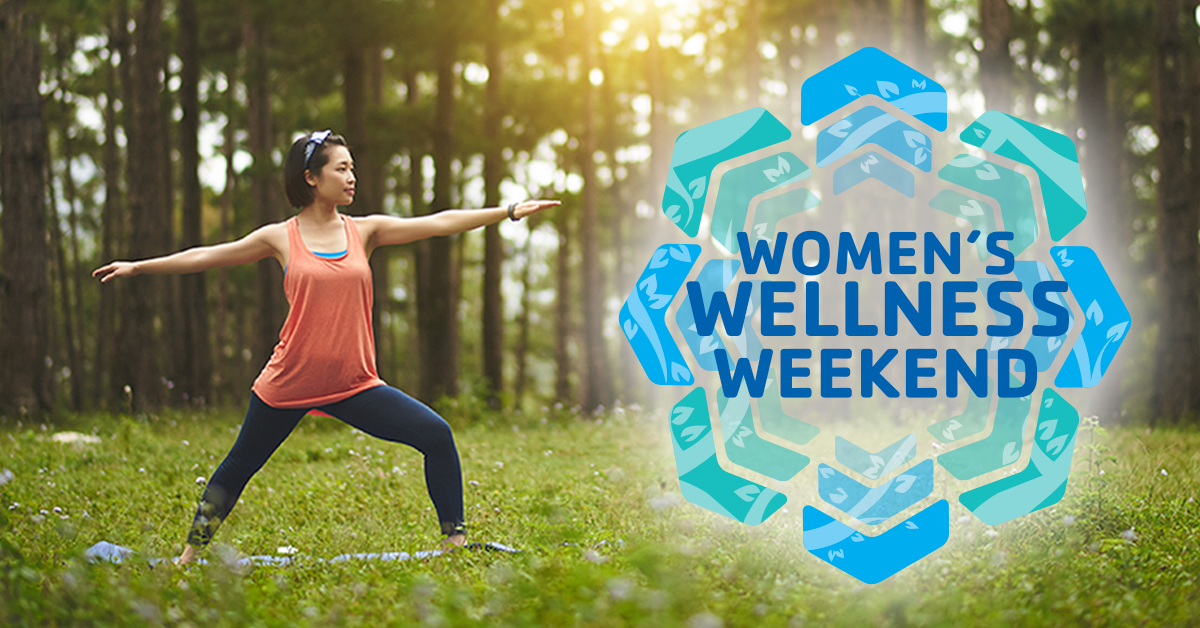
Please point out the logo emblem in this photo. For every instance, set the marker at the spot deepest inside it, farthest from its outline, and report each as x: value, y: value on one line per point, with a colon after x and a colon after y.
x: 1018, y: 185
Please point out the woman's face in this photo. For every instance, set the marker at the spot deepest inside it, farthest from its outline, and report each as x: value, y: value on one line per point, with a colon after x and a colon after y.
x: 335, y: 183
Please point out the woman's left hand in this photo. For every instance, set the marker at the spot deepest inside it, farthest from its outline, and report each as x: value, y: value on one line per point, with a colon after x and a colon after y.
x: 529, y: 208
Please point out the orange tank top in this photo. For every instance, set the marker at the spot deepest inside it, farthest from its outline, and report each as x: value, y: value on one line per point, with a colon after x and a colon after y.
x: 326, y: 351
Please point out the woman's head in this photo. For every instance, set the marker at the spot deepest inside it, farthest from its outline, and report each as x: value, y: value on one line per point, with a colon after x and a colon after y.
x: 309, y: 154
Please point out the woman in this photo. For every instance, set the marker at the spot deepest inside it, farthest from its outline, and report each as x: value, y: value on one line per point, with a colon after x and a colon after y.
x: 325, y: 358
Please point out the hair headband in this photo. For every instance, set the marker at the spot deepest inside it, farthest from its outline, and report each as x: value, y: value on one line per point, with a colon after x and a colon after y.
x: 315, y: 140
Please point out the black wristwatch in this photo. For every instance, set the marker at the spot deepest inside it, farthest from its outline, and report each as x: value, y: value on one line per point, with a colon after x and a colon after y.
x: 511, y: 215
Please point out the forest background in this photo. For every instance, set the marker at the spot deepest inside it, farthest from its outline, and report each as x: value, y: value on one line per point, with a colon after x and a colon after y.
x: 134, y: 129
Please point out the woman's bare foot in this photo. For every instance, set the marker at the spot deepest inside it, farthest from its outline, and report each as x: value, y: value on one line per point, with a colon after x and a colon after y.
x: 189, y: 552
x: 455, y: 541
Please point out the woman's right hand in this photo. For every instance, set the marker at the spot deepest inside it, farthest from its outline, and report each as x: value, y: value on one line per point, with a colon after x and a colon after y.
x: 114, y: 270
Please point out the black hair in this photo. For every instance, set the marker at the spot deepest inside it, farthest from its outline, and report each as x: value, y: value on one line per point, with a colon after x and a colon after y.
x: 299, y: 192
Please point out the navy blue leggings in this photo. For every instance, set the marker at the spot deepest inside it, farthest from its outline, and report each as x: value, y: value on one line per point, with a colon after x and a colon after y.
x: 384, y: 412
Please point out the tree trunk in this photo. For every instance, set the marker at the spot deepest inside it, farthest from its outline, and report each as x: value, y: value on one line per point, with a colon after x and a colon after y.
x: 916, y: 38
x: 197, y: 373
x: 874, y: 25
x: 416, y: 197
x: 436, y: 317
x: 493, y: 246
x: 523, y: 339
x: 562, y: 311
x: 753, y: 57
x: 140, y: 363
x: 224, y: 348
x: 24, y: 381
x: 1176, y: 389
x: 66, y: 304
x: 374, y: 185
x: 359, y: 66
x: 102, y: 363
x: 262, y: 185
x: 72, y: 289
x: 995, y: 64
x: 1109, y: 223
x: 599, y: 388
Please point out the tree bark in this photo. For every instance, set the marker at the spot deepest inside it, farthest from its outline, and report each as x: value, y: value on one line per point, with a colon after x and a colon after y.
x: 66, y: 304
x: 141, y: 363
x: 562, y: 311
x: 599, y: 388
x: 1109, y: 218
x: 753, y: 58
x: 111, y: 227
x: 493, y: 246
x: 916, y: 38
x: 198, y: 370
x: 523, y: 339
x: 1176, y: 390
x: 436, y: 318
x: 995, y: 64
x: 24, y: 381
x: 262, y: 185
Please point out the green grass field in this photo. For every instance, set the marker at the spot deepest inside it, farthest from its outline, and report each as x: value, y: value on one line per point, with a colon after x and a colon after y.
x: 609, y: 541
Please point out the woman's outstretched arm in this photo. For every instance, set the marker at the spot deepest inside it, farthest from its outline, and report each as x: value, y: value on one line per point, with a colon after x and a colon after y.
x: 388, y: 230
x: 253, y: 247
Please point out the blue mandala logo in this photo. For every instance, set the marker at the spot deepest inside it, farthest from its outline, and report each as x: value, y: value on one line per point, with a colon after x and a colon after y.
x: 1003, y: 211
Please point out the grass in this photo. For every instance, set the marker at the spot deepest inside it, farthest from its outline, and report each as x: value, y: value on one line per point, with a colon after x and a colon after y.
x: 595, y: 504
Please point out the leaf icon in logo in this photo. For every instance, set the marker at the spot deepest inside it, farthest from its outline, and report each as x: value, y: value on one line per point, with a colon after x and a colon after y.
x: 692, y: 433
x: 1115, y: 332
x: 972, y: 208
x: 852, y: 90
x: 631, y: 329
x: 835, y: 553
x: 840, y: 128
x: 682, y: 413
x: 1095, y: 313
x: 681, y: 253
x: 886, y: 89
x: 1012, y: 452
x: 743, y: 432
x: 697, y: 186
x: 747, y: 492
x: 838, y: 497
x: 680, y: 373
x: 987, y: 173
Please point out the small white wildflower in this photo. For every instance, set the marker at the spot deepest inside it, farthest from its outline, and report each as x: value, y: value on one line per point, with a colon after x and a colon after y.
x: 1068, y: 520
x: 593, y: 557
x: 620, y: 588
x: 128, y: 390
x: 705, y: 620
x: 6, y: 476
x: 471, y: 482
x: 286, y: 550
x: 200, y: 480
x: 141, y: 469
x: 1164, y: 471
x: 964, y: 519
x: 1129, y: 535
x: 185, y: 443
x: 14, y: 506
x: 37, y: 518
x: 44, y: 511
x: 500, y: 465
x: 57, y: 510
x: 992, y: 534
x: 1101, y: 471
x: 1191, y: 499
